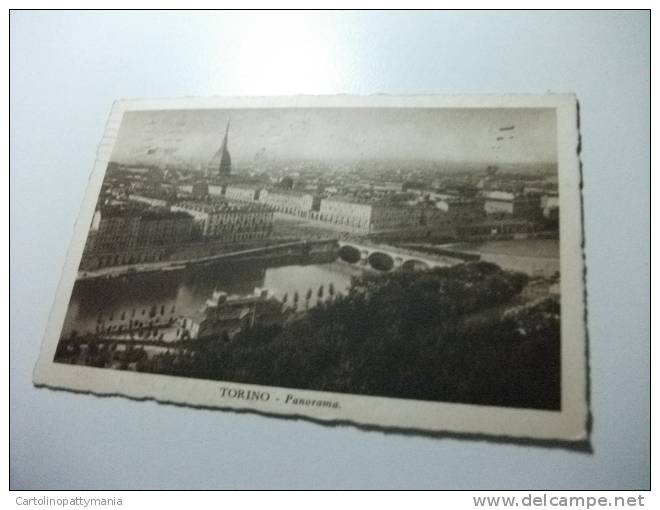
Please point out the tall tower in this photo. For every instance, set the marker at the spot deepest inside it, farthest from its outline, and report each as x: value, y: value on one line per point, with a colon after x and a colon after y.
x: 225, y: 159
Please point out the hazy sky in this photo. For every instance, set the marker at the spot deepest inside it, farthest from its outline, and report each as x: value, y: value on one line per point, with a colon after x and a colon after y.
x: 441, y: 134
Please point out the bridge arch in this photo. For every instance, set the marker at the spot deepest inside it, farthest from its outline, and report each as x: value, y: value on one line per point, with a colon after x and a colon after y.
x: 414, y: 265
x: 380, y: 261
x: 349, y: 254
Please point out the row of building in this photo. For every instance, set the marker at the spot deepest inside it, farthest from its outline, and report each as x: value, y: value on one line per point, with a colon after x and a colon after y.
x: 364, y: 214
x: 245, y: 212
x: 122, y: 235
x: 147, y: 227
x: 129, y: 228
x: 344, y: 212
x: 147, y: 230
x: 226, y: 221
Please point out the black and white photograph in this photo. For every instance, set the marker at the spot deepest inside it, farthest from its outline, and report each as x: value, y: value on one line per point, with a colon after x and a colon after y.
x: 298, y: 256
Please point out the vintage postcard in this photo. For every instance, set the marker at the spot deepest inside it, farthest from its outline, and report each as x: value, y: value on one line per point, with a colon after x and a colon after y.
x: 402, y: 263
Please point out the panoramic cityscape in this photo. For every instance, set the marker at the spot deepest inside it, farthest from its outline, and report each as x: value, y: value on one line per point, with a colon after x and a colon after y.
x: 409, y: 253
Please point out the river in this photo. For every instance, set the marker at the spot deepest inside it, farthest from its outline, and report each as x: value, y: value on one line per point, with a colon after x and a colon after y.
x: 182, y: 292
x: 163, y: 296
x: 536, y: 257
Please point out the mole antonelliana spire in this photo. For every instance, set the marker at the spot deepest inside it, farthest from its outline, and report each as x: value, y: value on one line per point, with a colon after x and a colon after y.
x: 225, y: 160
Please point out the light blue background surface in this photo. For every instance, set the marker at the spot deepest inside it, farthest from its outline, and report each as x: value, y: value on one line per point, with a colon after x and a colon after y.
x: 67, y: 68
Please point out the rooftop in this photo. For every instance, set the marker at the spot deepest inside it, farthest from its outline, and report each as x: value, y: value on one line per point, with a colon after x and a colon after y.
x: 117, y: 211
x: 360, y: 200
x: 159, y: 214
x: 221, y: 206
x: 245, y: 186
x: 289, y: 192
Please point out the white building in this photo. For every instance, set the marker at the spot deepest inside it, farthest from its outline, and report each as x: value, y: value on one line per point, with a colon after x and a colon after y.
x: 366, y: 217
x: 290, y: 202
x: 153, y: 202
x: 242, y: 193
x: 228, y: 221
x: 504, y: 203
x: 550, y: 206
x: 216, y: 190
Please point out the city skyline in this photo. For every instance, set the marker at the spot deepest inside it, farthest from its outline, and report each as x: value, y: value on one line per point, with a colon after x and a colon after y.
x: 192, y: 137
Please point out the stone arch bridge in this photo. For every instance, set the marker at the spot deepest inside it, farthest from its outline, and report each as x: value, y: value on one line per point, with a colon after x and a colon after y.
x: 390, y: 258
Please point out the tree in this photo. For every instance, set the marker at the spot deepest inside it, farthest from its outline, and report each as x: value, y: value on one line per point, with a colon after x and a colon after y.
x: 519, y: 281
x: 296, y: 299
x: 439, y: 335
x: 308, y: 296
x: 331, y: 291
x: 321, y: 293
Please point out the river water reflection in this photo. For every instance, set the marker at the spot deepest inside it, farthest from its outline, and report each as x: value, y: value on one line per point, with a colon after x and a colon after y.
x: 181, y: 292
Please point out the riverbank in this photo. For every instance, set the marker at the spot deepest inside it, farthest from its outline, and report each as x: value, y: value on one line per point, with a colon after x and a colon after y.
x: 297, y: 247
x: 536, y: 257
